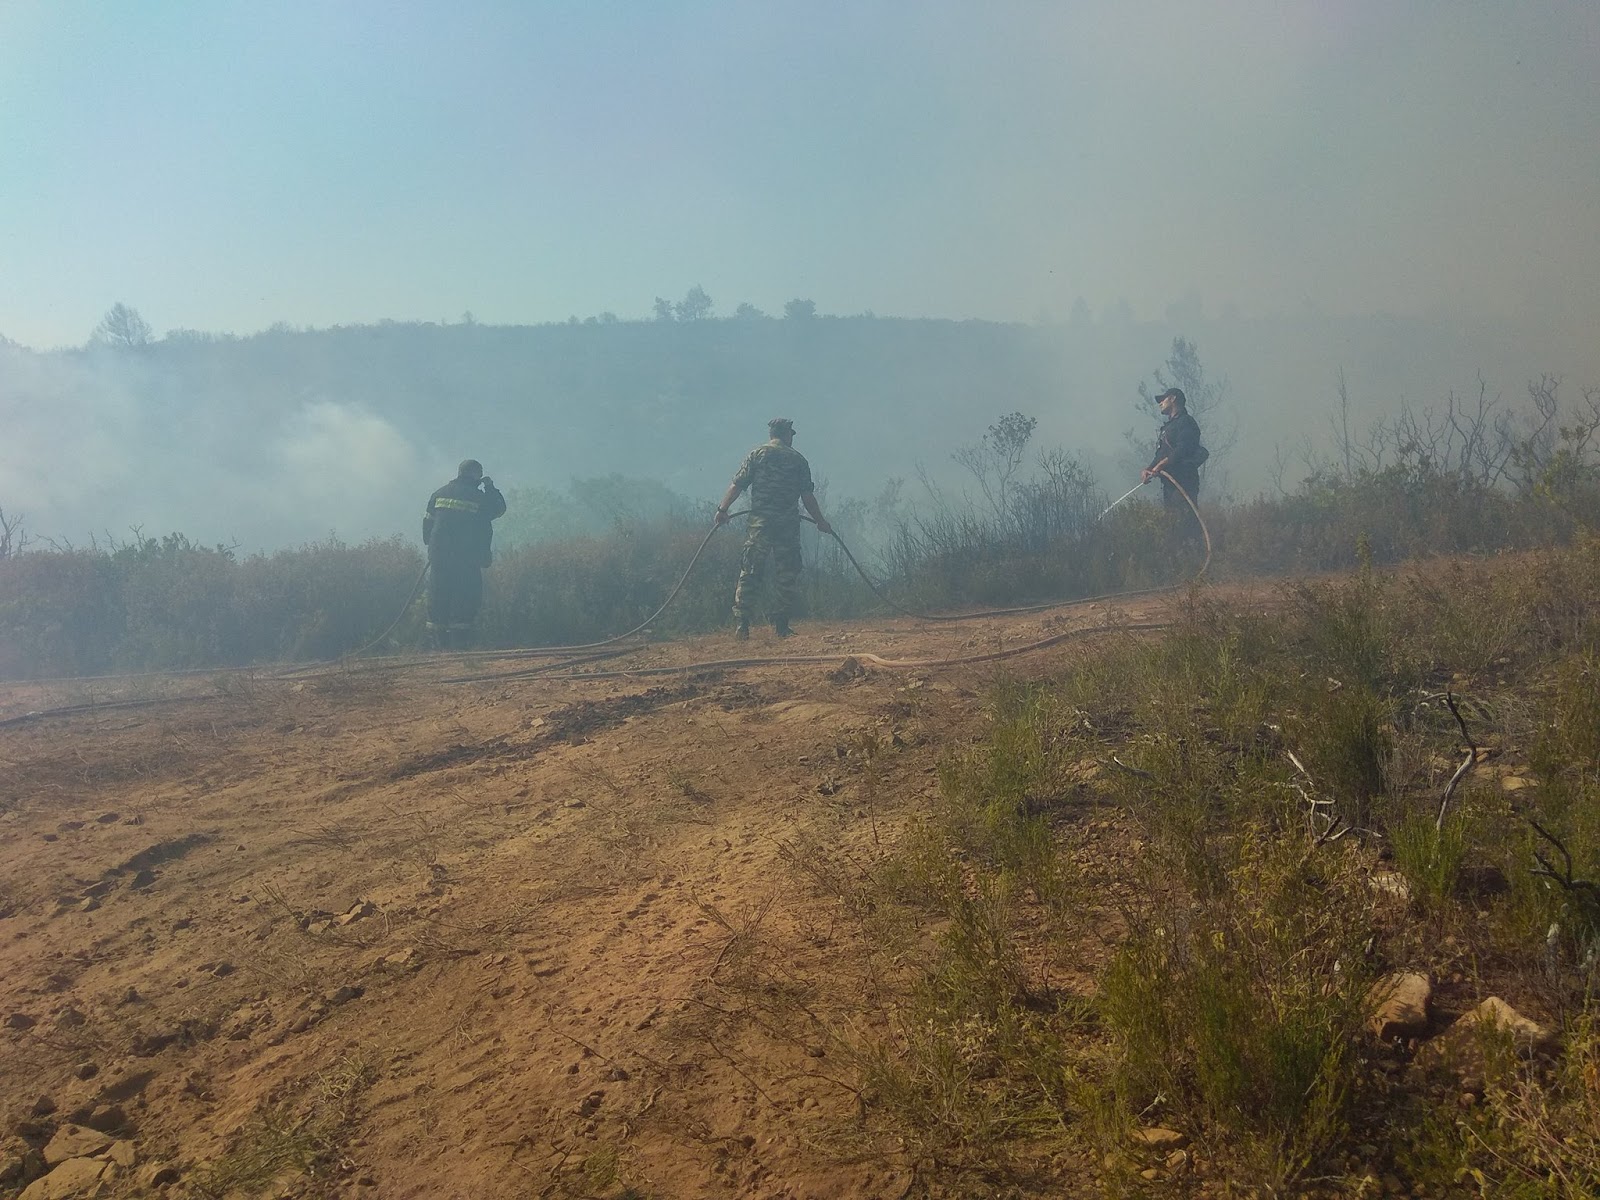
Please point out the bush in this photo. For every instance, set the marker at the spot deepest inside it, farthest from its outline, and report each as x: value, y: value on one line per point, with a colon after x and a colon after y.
x: 168, y: 603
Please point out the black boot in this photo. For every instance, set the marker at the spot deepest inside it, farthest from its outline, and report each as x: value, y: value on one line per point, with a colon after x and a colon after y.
x: 780, y: 626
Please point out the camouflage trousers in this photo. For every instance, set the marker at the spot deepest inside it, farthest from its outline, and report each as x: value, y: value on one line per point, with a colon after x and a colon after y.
x: 780, y: 539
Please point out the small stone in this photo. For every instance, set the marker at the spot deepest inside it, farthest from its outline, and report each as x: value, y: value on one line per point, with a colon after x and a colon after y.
x: 74, y: 1141
x: 1154, y: 1137
x: 20, y: 1021
x: 1495, y: 1013
x: 344, y: 994
x: 357, y: 912
x: 404, y: 959
x: 591, y: 1103
x: 182, y: 923
x: 88, y: 904
x: 86, y: 1070
x: 124, y: 1153
x: 42, y: 1107
x: 70, y: 1018
x: 108, y: 818
x: 1399, y: 1006
x: 1150, y: 1173
x: 73, y: 1178
x: 158, y: 1175
x: 143, y: 879
x: 222, y: 969
x: 131, y: 996
x: 1516, y: 783
x: 107, y: 1118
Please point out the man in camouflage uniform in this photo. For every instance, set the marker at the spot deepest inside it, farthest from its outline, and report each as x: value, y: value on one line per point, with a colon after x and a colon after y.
x: 777, y: 475
x: 457, y: 530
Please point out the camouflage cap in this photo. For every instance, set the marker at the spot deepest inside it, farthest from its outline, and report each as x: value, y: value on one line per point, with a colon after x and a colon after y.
x: 780, y: 425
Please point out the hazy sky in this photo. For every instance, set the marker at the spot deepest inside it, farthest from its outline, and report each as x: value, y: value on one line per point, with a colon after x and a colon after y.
x: 226, y: 165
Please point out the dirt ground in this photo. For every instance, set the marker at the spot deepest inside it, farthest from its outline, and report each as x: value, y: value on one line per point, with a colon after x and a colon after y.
x: 492, y: 933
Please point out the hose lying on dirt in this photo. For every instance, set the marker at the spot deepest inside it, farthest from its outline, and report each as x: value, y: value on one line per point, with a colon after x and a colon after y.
x: 555, y: 670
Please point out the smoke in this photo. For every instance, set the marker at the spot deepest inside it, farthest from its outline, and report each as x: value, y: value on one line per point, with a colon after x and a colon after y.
x: 95, y: 445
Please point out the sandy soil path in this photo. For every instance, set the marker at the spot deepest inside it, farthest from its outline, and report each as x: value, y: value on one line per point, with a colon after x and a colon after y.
x: 563, y: 933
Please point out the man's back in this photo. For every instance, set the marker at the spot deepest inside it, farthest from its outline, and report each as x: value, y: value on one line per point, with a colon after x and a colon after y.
x: 458, y: 522
x: 777, y: 476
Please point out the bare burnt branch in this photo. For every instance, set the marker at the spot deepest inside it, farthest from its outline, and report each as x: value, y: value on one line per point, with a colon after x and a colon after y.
x: 1466, y: 763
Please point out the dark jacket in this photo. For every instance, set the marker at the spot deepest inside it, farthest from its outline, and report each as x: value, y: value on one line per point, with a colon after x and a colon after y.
x: 1179, y: 444
x: 456, y: 527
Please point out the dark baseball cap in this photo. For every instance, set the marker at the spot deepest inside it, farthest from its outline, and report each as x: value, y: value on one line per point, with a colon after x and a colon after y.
x: 1176, y: 394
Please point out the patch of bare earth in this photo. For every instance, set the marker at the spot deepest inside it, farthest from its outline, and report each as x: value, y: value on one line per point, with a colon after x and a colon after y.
x: 561, y: 932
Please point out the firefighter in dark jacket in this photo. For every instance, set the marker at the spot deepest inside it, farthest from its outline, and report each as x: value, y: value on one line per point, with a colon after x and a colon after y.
x: 457, y: 531
x: 1178, y: 454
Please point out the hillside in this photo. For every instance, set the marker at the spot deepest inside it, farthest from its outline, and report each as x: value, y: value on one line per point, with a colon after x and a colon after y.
x: 288, y: 435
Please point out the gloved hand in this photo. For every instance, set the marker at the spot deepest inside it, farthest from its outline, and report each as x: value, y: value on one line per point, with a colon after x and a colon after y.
x: 487, y: 483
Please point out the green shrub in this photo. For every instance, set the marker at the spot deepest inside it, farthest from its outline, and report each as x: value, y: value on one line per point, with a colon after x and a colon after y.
x: 1431, y: 855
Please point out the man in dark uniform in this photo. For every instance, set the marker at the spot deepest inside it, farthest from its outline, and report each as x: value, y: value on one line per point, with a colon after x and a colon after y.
x: 777, y: 475
x: 457, y: 531
x: 1179, y: 454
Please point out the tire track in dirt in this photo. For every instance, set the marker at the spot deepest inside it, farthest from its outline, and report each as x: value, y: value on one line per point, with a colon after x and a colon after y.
x: 563, y: 922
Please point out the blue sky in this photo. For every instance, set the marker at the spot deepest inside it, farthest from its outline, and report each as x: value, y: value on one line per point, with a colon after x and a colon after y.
x: 223, y: 166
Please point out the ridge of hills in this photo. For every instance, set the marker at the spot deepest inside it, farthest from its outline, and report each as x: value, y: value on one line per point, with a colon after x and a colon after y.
x: 284, y: 435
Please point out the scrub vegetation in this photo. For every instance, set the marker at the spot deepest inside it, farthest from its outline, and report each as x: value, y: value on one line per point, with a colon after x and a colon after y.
x: 1468, y: 480
x: 1152, y: 915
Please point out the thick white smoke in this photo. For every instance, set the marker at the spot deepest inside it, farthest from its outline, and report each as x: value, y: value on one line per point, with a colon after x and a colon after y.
x: 93, y: 446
